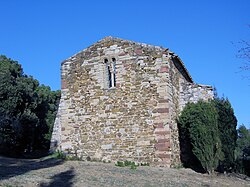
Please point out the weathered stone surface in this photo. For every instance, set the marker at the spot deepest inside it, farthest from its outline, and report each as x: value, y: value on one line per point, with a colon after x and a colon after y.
x: 135, y: 119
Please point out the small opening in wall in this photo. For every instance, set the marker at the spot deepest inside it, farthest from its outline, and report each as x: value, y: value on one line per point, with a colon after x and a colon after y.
x: 109, y: 76
x: 114, y: 72
x: 110, y: 72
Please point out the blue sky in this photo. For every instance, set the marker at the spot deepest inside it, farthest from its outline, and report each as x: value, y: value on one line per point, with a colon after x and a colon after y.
x: 41, y: 34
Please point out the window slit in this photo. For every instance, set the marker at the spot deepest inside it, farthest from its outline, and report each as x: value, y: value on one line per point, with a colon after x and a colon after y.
x: 109, y: 77
x: 114, y: 72
x: 110, y: 73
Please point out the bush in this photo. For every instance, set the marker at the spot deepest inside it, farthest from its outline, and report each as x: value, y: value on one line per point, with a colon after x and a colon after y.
x: 126, y: 163
x: 227, y: 123
x: 58, y: 155
x: 120, y: 164
x: 199, y: 122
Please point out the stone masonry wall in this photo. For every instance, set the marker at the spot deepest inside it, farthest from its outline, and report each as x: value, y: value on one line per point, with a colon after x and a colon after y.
x: 194, y: 93
x: 136, y: 120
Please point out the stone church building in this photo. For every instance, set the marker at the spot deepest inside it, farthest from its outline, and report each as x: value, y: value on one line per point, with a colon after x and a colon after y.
x: 120, y: 101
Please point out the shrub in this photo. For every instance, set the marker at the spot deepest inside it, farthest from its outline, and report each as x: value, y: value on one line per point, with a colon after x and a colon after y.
x: 227, y: 123
x: 120, y: 164
x: 58, y: 155
x: 126, y: 163
x: 200, y: 123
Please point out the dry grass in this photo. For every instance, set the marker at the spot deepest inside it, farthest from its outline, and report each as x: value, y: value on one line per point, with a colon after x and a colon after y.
x: 54, y: 172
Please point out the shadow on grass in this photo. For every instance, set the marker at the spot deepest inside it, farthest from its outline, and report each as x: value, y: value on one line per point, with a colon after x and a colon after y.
x: 11, y: 167
x: 62, y: 179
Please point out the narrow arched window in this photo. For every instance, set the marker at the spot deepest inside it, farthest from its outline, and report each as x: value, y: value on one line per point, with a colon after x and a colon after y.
x: 109, y: 76
x: 110, y: 73
x: 113, y: 72
x: 107, y: 73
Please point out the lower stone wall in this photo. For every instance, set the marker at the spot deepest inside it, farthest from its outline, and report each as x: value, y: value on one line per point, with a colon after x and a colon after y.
x: 113, y: 126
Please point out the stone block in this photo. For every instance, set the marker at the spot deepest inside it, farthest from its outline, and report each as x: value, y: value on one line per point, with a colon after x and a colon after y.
x: 162, y: 132
x: 158, y: 125
x: 164, y: 69
x: 63, y: 84
x: 107, y: 146
x: 163, y: 155
x: 163, y: 110
x: 143, y: 143
x: 164, y: 146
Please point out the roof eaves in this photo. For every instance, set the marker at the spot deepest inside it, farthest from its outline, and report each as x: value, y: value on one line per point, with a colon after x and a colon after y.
x: 183, y: 66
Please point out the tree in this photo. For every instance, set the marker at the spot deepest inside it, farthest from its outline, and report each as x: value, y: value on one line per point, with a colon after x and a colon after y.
x: 200, y: 122
x: 227, y: 123
x: 242, y: 152
x: 243, y: 141
x: 244, y: 53
x: 46, y: 110
x: 27, y: 110
x: 12, y: 101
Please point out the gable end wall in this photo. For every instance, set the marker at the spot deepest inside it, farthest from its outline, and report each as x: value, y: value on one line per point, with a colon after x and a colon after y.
x: 136, y: 120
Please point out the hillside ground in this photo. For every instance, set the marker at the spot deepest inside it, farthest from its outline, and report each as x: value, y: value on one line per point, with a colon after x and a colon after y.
x: 55, y: 172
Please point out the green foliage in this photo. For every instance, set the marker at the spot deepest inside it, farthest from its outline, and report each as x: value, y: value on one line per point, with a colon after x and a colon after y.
x: 243, y: 141
x: 7, y: 185
x: 178, y: 166
x: 58, y: 155
x: 145, y: 164
x: 127, y: 163
x: 133, y: 166
x: 227, y: 123
x: 73, y: 158
x: 120, y: 164
x: 200, y: 123
x: 208, y: 134
x: 27, y: 110
x: 61, y: 155
x: 242, y: 152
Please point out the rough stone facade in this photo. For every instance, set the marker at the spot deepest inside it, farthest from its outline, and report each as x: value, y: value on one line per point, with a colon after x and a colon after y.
x: 120, y: 101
